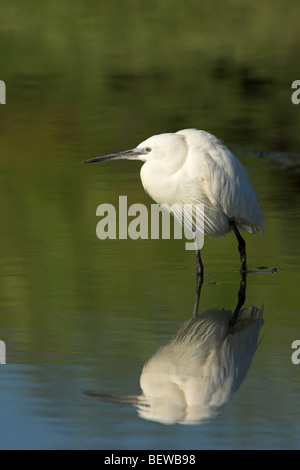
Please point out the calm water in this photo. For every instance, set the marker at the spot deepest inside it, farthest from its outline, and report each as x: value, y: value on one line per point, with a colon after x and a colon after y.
x: 78, y: 314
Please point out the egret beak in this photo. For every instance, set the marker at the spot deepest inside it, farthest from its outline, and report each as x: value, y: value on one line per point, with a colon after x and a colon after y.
x: 131, y: 154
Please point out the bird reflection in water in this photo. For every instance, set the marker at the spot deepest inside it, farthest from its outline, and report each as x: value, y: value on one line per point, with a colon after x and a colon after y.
x: 193, y: 376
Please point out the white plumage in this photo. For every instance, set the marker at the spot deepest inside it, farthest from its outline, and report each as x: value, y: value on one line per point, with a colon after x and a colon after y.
x: 193, y: 166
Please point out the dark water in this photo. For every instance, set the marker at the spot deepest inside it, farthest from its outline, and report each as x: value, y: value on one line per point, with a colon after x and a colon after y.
x: 79, y: 314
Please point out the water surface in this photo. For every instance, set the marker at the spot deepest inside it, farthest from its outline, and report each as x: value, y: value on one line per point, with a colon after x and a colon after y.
x: 79, y: 314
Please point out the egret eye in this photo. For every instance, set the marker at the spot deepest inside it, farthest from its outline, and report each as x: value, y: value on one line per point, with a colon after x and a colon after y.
x: 147, y: 149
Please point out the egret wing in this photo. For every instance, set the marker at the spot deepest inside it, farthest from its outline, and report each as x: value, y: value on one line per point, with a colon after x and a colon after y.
x: 224, y: 181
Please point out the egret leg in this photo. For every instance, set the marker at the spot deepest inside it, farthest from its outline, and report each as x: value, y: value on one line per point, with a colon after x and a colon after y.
x: 241, y: 247
x: 241, y: 298
x: 199, y: 276
x: 199, y: 264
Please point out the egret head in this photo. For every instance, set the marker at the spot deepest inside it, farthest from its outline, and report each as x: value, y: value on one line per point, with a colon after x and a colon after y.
x: 166, y: 148
x: 163, y: 147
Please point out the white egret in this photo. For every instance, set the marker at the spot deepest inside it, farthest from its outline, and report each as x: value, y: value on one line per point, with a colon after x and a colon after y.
x: 193, y: 167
